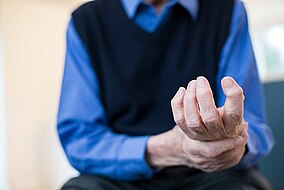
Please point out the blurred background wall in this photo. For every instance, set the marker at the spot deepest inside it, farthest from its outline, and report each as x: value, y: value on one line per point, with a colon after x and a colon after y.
x: 33, y: 37
x: 2, y: 124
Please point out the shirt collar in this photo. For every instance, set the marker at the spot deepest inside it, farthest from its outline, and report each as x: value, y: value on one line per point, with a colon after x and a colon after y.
x: 191, y: 6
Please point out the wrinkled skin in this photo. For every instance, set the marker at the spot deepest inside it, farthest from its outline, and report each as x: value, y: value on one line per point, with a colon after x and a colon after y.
x: 205, y: 137
x: 195, y: 112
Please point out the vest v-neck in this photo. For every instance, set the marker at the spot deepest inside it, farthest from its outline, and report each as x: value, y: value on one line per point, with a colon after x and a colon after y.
x: 161, y: 32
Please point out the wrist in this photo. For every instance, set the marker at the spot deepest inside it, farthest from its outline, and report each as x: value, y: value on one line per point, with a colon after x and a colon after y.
x: 165, y: 150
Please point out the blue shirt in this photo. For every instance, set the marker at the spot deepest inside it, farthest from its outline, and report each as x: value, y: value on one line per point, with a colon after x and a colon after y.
x: 90, y: 144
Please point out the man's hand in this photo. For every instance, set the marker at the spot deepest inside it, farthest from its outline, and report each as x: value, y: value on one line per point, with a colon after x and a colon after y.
x: 174, y: 148
x: 206, y: 138
x: 195, y: 112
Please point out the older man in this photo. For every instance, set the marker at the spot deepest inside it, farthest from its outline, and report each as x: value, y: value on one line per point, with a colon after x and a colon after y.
x: 121, y: 122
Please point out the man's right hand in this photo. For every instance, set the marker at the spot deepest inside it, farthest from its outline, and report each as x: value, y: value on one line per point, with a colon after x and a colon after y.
x: 174, y: 148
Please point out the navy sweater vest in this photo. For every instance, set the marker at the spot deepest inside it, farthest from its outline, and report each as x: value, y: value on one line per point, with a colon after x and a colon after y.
x: 140, y: 72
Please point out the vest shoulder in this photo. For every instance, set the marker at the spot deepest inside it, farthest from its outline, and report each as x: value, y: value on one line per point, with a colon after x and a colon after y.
x: 217, y: 4
x: 92, y: 7
x: 217, y: 11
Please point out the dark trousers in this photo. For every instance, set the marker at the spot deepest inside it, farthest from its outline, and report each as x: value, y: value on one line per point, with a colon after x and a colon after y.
x: 176, y: 178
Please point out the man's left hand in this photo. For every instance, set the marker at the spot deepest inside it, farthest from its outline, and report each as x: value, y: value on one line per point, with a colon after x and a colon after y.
x: 195, y: 112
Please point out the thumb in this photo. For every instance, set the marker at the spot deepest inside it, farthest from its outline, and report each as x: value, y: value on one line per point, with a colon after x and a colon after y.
x: 215, y: 148
x: 234, y: 105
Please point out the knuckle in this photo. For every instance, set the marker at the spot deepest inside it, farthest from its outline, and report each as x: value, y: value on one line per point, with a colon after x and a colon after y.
x: 210, y: 118
x: 204, y: 93
x: 188, y: 98
x: 192, y: 148
x: 198, y: 161
x: 201, y: 132
x: 239, y: 142
x: 210, y: 153
x: 235, y: 117
x: 180, y: 123
x: 192, y: 134
x: 179, y: 118
x: 245, y: 125
x: 194, y: 122
x: 213, y: 151
x: 239, y: 92
x: 236, y: 160
x: 239, y: 130
x: 245, y: 136
x: 236, y: 93
x: 174, y: 101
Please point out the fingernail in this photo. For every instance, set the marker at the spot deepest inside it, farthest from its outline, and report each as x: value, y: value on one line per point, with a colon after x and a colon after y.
x: 201, y: 82
x: 228, y: 83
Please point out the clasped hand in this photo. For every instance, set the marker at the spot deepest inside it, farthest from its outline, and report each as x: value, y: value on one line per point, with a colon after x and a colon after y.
x: 213, y: 138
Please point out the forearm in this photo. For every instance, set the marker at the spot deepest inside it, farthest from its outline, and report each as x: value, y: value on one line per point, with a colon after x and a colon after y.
x: 97, y: 150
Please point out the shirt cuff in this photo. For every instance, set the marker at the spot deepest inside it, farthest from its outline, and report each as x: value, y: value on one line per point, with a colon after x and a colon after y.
x: 132, y: 164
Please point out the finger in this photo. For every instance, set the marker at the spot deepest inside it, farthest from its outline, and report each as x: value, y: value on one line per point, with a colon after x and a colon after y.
x: 244, y: 132
x: 212, y: 149
x: 226, y: 159
x: 234, y: 159
x: 191, y: 113
x: 177, y: 107
x: 228, y: 155
x: 208, y: 110
x: 232, y: 153
x: 205, y: 98
x: 221, y: 162
x: 234, y: 105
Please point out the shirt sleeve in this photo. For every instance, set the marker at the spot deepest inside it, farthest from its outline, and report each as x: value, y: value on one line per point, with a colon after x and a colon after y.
x: 89, y: 143
x: 238, y: 61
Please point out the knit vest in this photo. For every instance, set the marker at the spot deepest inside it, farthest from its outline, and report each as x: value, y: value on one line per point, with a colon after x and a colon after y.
x: 140, y: 72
